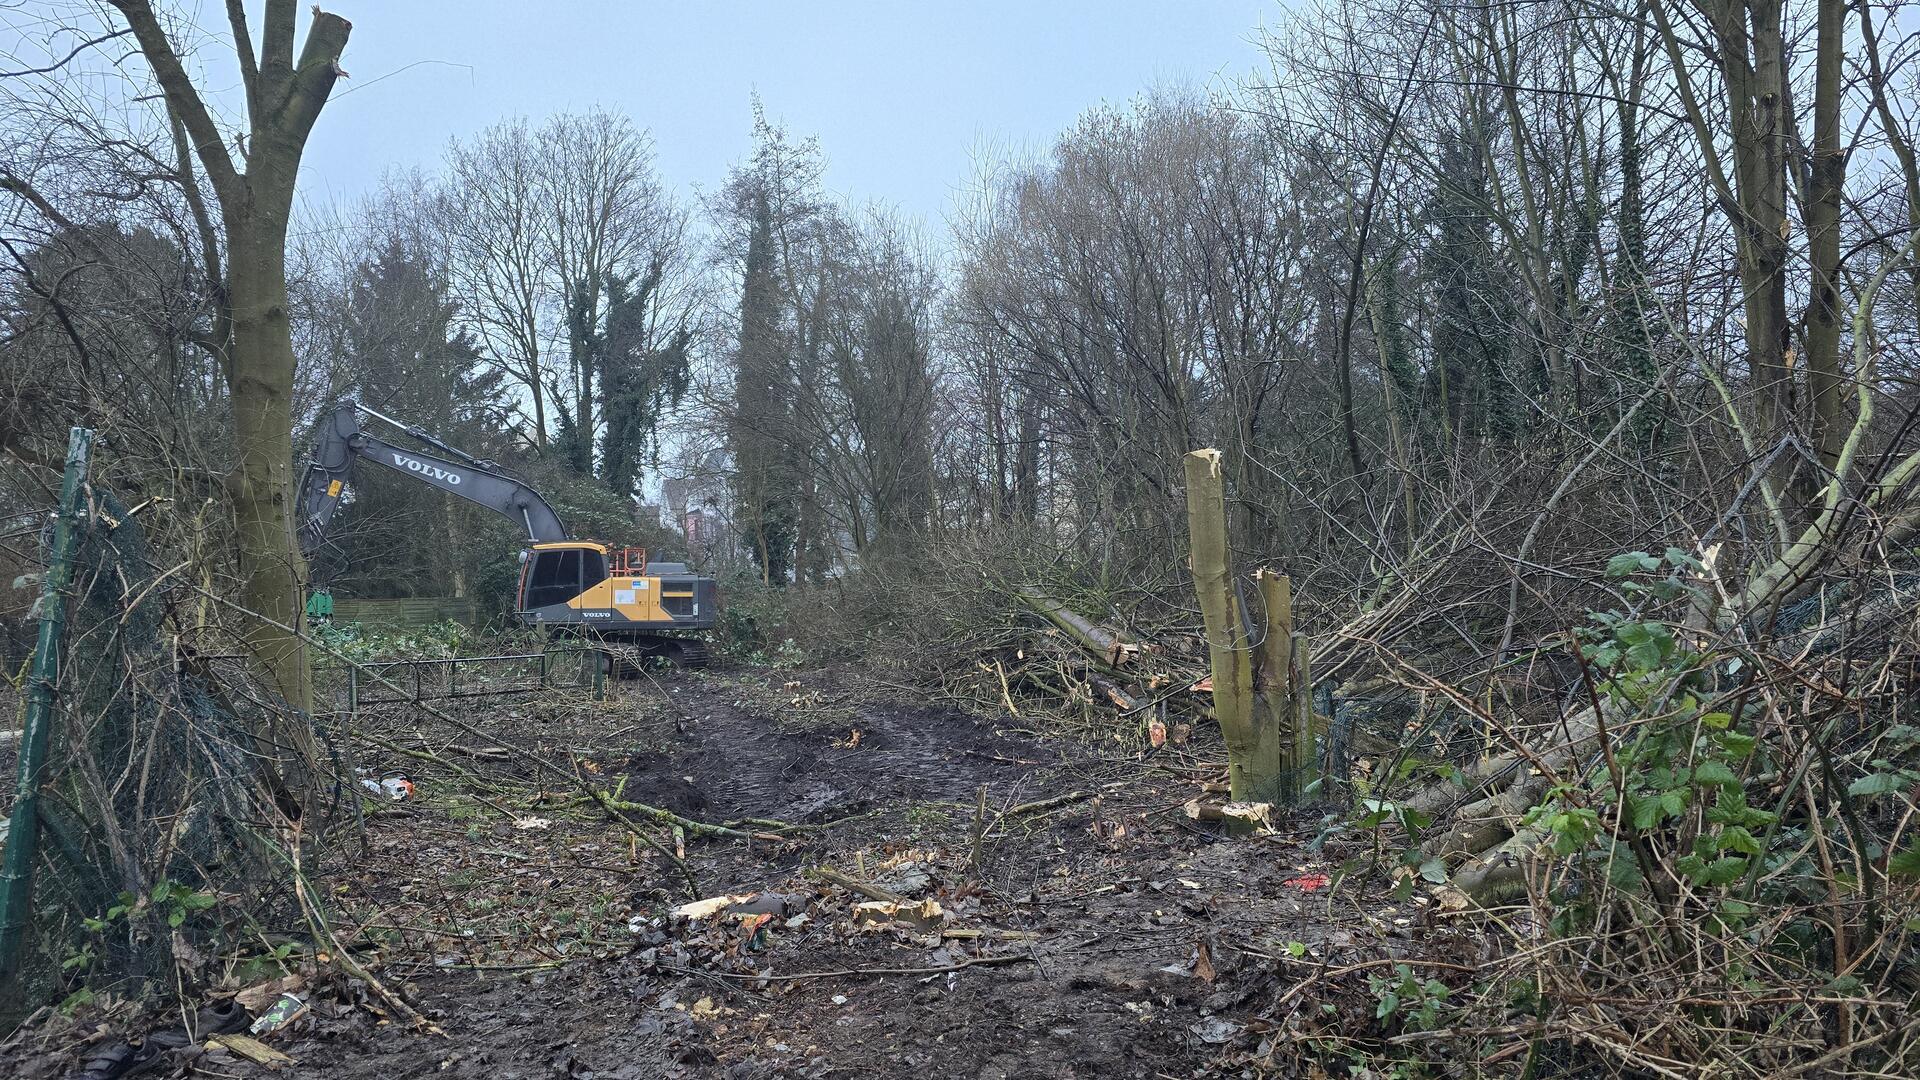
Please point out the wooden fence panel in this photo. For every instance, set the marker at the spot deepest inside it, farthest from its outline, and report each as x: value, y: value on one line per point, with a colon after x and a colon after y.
x: 407, y: 612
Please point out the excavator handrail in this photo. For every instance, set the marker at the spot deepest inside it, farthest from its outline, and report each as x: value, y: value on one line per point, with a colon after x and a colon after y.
x: 341, y: 442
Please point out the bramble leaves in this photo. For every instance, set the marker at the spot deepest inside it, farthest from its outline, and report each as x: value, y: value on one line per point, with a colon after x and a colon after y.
x: 1880, y: 783
x: 1633, y: 562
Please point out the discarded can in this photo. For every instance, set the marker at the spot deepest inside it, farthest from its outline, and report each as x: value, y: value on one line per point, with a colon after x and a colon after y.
x: 278, y: 1015
x: 397, y: 788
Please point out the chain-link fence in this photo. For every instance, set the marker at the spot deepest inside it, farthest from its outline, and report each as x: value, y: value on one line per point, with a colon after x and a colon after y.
x: 162, y: 838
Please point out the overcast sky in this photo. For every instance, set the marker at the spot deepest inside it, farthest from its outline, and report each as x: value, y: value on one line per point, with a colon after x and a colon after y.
x: 898, y: 92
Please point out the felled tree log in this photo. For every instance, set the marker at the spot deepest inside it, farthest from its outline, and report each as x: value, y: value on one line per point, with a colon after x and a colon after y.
x: 1500, y: 872
x: 1121, y: 700
x: 1576, y: 737
x: 1109, y: 648
x: 1484, y: 835
x: 1481, y: 825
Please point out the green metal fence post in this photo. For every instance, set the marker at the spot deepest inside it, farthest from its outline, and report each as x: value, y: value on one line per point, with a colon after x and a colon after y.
x: 16, y: 878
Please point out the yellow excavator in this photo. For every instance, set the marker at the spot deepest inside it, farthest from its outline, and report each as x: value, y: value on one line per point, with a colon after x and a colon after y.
x: 632, y: 608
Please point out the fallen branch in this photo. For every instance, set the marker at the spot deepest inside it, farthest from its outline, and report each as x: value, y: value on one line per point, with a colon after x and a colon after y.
x: 870, y: 891
x: 1044, y: 805
x: 323, y: 937
x: 982, y: 961
x: 666, y: 817
x: 1110, y: 650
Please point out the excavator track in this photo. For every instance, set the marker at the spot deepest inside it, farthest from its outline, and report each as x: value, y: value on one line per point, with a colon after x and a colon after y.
x: 627, y: 659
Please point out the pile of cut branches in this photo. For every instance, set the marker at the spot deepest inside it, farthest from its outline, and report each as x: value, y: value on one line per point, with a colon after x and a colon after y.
x: 1707, y: 852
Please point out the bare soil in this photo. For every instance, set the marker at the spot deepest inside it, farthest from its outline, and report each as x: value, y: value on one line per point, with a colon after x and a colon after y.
x: 1101, y: 932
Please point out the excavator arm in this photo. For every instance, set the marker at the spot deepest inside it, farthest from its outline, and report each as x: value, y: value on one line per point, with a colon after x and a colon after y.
x: 341, y: 443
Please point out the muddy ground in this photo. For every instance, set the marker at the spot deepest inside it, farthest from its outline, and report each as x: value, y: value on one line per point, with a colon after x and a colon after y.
x: 1082, y: 926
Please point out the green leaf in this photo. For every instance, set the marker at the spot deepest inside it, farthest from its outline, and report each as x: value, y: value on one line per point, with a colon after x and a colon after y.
x: 1389, y: 1003
x: 1679, y: 559
x: 1674, y: 802
x: 1435, y: 871
x: 1717, y: 721
x: 1631, y: 563
x: 176, y: 917
x: 1739, y: 839
x: 1712, y: 771
x: 1634, y: 633
x: 1648, y: 643
x: 1723, y: 871
x: 1739, y: 747
x: 1879, y: 783
x: 1906, y: 863
x: 1647, y: 811
x: 1604, y: 655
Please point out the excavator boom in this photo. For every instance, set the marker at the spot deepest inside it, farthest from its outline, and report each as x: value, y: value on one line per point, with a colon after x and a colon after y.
x: 341, y: 442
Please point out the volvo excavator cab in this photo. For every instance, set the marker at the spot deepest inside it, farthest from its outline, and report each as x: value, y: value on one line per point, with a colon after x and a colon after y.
x: 579, y: 580
x: 553, y: 574
x: 631, y: 607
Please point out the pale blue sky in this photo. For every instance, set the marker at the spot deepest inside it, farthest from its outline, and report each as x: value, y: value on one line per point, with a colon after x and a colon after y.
x: 899, y: 93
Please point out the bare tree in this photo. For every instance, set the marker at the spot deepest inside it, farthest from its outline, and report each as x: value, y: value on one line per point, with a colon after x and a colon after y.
x: 492, y: 215
x: 572, y: 264
x: 255, y: 197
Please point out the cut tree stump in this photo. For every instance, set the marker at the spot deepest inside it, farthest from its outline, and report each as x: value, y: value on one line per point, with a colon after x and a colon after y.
x: 1259, y: 762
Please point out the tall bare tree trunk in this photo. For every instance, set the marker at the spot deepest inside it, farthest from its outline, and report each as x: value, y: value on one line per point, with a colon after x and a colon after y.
x: 260, y: 379
x: 1754, y: 69
x: 284, y: 98
x: 1748, y: 53
x: 1825, y: 187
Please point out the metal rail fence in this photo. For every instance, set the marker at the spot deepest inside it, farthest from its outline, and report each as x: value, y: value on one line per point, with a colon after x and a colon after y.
x: 559, y: 666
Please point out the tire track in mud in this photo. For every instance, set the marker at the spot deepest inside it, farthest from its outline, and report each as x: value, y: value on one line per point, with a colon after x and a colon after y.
x: 723, y: 759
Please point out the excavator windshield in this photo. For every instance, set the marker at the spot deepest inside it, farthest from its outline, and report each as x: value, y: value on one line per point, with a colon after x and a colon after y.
x: 555, y: 575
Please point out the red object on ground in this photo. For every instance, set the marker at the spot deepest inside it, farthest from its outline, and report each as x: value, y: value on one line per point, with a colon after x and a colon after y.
x: 1310, y: 882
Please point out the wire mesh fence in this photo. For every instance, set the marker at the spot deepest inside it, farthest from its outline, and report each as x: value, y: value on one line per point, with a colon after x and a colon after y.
x: 164, y: 836
x: 181, y: 806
